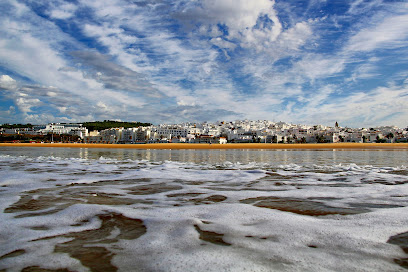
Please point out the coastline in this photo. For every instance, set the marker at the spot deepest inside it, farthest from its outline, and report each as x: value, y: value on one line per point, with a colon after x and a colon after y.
x: 218, y: 146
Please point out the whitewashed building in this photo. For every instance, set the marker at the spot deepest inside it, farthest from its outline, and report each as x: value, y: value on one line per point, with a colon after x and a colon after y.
x: 57, y: 128
x: 132, y: 135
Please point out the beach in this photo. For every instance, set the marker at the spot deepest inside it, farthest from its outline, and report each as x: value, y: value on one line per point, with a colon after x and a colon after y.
x: 220, y: 146
x: 124, y: 209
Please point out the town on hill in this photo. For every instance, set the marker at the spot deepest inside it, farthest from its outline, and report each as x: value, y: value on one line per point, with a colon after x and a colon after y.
x: 241, y: 131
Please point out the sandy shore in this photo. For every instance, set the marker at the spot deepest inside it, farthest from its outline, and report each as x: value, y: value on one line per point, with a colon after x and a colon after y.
x: 220, y: 146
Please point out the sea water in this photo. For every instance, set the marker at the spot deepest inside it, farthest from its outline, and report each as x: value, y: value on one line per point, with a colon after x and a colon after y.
x: 203, y: 210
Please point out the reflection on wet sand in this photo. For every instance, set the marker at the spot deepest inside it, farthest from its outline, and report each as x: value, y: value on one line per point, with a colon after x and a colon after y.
x: 152, y: 189
x: 12, y: 254
x: 49, y: 201
x: 98, y: 258
x: 92, y: 247
x: 86, y: 245
x: 300, y: 206
x: 402, y: 241
x: 191, y: 198
x: 212, y: 237
x: 39, y: 269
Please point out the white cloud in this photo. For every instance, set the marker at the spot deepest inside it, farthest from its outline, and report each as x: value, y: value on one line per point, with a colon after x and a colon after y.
x: 297, y: 36
x: 107, y: 8
x: 62, y: 10
x: 241, y: 19
x: 114, y: 76
x: 364, y: 71
x: 6, y: 79
x: 6, y: 82
x: 186, y: 101
x: 238, y: 15
x: 286, y: 43
x: 221, y: 43
x: 382, y: 106
x: 361, y: 6
x: 101, y: 30
x: 37, y: 58
x: 308, y: 69
x: 179, y: 59
x: 25, y: 104
x: 318, y: 66
x: 198, y: 62
x: 220, y: 58
x: 320, y: 97
x: 389, y: 33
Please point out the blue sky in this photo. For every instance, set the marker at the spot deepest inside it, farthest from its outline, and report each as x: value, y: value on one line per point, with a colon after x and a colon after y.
x: 158, y: 61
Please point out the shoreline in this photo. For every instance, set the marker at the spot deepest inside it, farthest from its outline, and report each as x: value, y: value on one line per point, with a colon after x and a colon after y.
x: 219, y: 146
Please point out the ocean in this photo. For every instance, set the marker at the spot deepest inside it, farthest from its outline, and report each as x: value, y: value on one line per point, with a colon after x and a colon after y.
x: 79, y: 209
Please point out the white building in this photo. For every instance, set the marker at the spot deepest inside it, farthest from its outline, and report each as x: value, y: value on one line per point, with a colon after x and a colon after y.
x: 57, y: 128
x: 132, y: 135
x: 170, y: 132
x: 110, y: 136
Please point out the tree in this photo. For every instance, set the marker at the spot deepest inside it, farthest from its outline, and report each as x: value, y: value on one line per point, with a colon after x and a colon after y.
x: 106, y: 124
x: 379, y: 140
x: 274, y: 139
x: 11, y: 126
x: 320, y: 139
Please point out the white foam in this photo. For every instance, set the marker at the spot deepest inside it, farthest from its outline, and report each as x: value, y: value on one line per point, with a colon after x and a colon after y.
x: 261, y: 239
x: 343, y: 244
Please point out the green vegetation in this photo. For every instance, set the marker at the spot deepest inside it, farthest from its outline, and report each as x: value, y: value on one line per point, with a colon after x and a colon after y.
x: 26, y: 138
x: 320, y: 139
x: 10, y: 126
x: 98, y: 125
x: 379, y: 140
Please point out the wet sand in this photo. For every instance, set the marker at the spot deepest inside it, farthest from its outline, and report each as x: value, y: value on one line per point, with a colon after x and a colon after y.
x: 219, y: 146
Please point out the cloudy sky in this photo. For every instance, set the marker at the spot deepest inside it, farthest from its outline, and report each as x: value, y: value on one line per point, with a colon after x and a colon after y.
x: 169, y: 61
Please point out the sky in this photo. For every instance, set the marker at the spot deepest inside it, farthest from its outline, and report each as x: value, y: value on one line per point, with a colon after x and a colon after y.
x: 171, y: 61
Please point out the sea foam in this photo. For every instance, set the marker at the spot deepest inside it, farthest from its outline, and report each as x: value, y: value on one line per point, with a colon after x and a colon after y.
x: 200, y: 216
